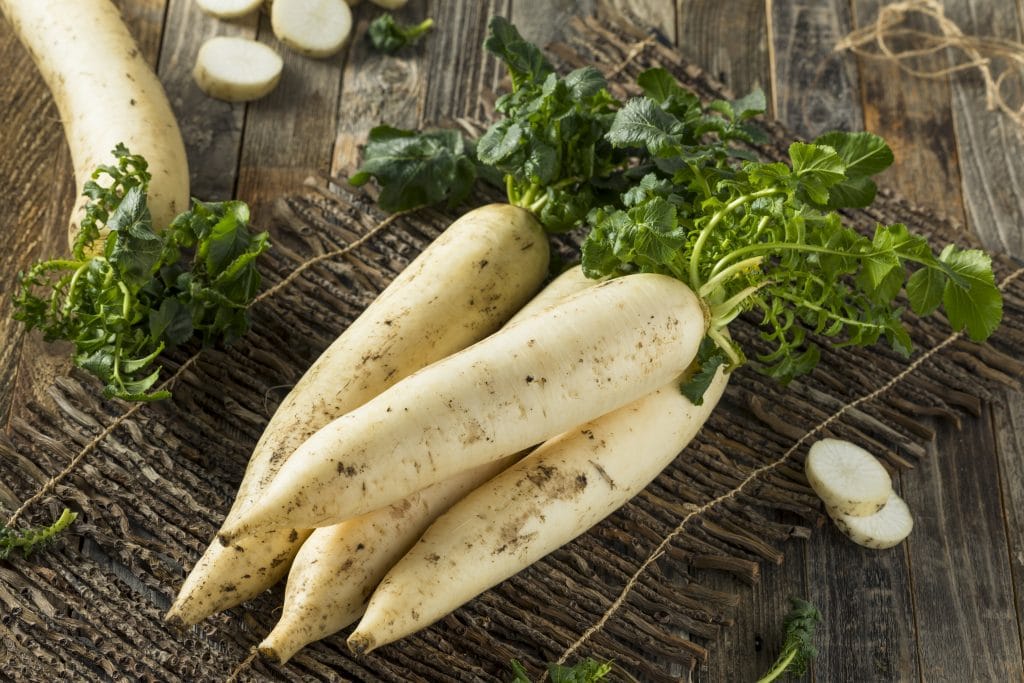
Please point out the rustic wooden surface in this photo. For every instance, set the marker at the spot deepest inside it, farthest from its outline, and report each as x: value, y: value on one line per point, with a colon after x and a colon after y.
x: 949, y: 604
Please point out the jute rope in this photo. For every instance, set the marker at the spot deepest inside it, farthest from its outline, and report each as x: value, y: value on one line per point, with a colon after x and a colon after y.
x: 50, y: 484
x: 755, y: 475
x: 999, y: 61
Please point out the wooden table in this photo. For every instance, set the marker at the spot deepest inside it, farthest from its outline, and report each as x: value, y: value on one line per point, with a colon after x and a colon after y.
x: 948, y: 604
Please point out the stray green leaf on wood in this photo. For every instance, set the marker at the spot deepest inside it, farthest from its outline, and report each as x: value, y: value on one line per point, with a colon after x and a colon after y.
x: 798, y: 649
x: 28, y: 541
x: 387, y: 35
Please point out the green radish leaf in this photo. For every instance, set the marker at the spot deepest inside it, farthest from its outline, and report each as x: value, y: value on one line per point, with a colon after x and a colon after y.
x: 525, y: 62
x: 925, y: 290
x: 972, y: 301
x: 642, y: 123
x: 863, y: 154
x: 415, y: 169
x: 709, y: 358
x: 661, y: 86
x: 387, y: 35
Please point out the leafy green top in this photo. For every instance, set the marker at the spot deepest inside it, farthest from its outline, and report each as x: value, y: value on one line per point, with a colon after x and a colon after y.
x: 669, y: 185
x: 125, y: 297
x: 29, y: 541
x: 548, y: 151
x: 387, y: 35
x: 751, y: 235
x: 798, y: 649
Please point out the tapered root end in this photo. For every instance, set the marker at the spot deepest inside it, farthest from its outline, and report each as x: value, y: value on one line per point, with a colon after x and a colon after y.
x: 173, y: 619
x: 361, y: 643
x: 271, y: 654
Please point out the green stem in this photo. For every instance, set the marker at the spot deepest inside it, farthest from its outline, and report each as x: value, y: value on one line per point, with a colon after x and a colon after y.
x: 718, y: 278
x: 71, y: 287
x: 853, y: 322
x: 726, y: 311
x: 418, y: 30
x: 126, y: 303
x: 510, y: 191
x: 705, y: 233
x: 538, y: 205
x: 705, y: 188
x: 716, y: 335
x: 779, y: 668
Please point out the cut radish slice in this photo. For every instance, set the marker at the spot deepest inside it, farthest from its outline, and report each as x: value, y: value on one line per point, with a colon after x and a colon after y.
x: 884, y: 529
x: 236, y: 69
x: 315, y: 28
x: 847, y: 478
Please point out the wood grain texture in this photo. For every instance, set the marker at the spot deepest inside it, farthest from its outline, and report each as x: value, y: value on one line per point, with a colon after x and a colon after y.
x: 946, y: 557
x: 1008, y: 427
x: 727, y: 39
x: 813, y: 87
x: 212, y: 129
x: 288, y: 134
x: 915, y: 117
x: 756, y: 636
x: 990, y: 146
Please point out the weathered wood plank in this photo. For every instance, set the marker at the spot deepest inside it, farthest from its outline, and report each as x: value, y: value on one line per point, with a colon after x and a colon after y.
x: 1008, y: 427
x: 915, y: 117
x: 37, y: 193
x: 212, y: 129
x: 289, y: 134
x: 727, y: 39
x: 961, y: 577
x: 746, y: 650
x: 990, y: 146
x: 813, y: 87
x: 868, y: 632
x: 367, y: 76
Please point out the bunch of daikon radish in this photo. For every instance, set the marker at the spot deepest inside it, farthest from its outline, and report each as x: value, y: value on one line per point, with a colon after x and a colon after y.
x: 428, y: 455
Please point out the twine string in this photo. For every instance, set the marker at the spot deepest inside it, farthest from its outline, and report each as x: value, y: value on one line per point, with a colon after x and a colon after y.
x: 889, y: 38
x: 88, y: 448
x: 757, y: 474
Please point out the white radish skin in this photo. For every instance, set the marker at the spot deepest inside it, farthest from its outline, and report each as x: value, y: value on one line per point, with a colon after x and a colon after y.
x: 237, y: 69
x: 315, y: 28
x: 566, y: 285
x: 595, y: 352
x: 106, y: 93
x: 847, y: 478
x: 229, y: 9
x: 459, y: 290
x: 886, y: 528
x: 556, y: 493
x: 338, y: 567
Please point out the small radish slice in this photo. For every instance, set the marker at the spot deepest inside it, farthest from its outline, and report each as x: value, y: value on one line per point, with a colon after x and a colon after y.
x: 236, y: 69
x: 315, y: 28
x: 847, y: 478
x: 229, y: 9
x: 390, y: 4
x: 884, y: 529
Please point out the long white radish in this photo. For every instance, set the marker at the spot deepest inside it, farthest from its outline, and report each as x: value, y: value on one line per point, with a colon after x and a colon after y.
x: 460, y: 289
x: 848, y: 479
x: 556, y: 493
x: 315, y: 28
x: 338, y: 567
x: 597, y: 351
x: 884, y: 529
x: 106, y: 93
x: 236, y: 69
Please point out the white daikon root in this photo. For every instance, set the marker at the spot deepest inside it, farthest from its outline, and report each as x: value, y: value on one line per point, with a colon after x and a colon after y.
x: 237, y: 69
x: 847, y: 478
x: 315, y: 28
x: 884, y: 529
x: 229, y: 9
